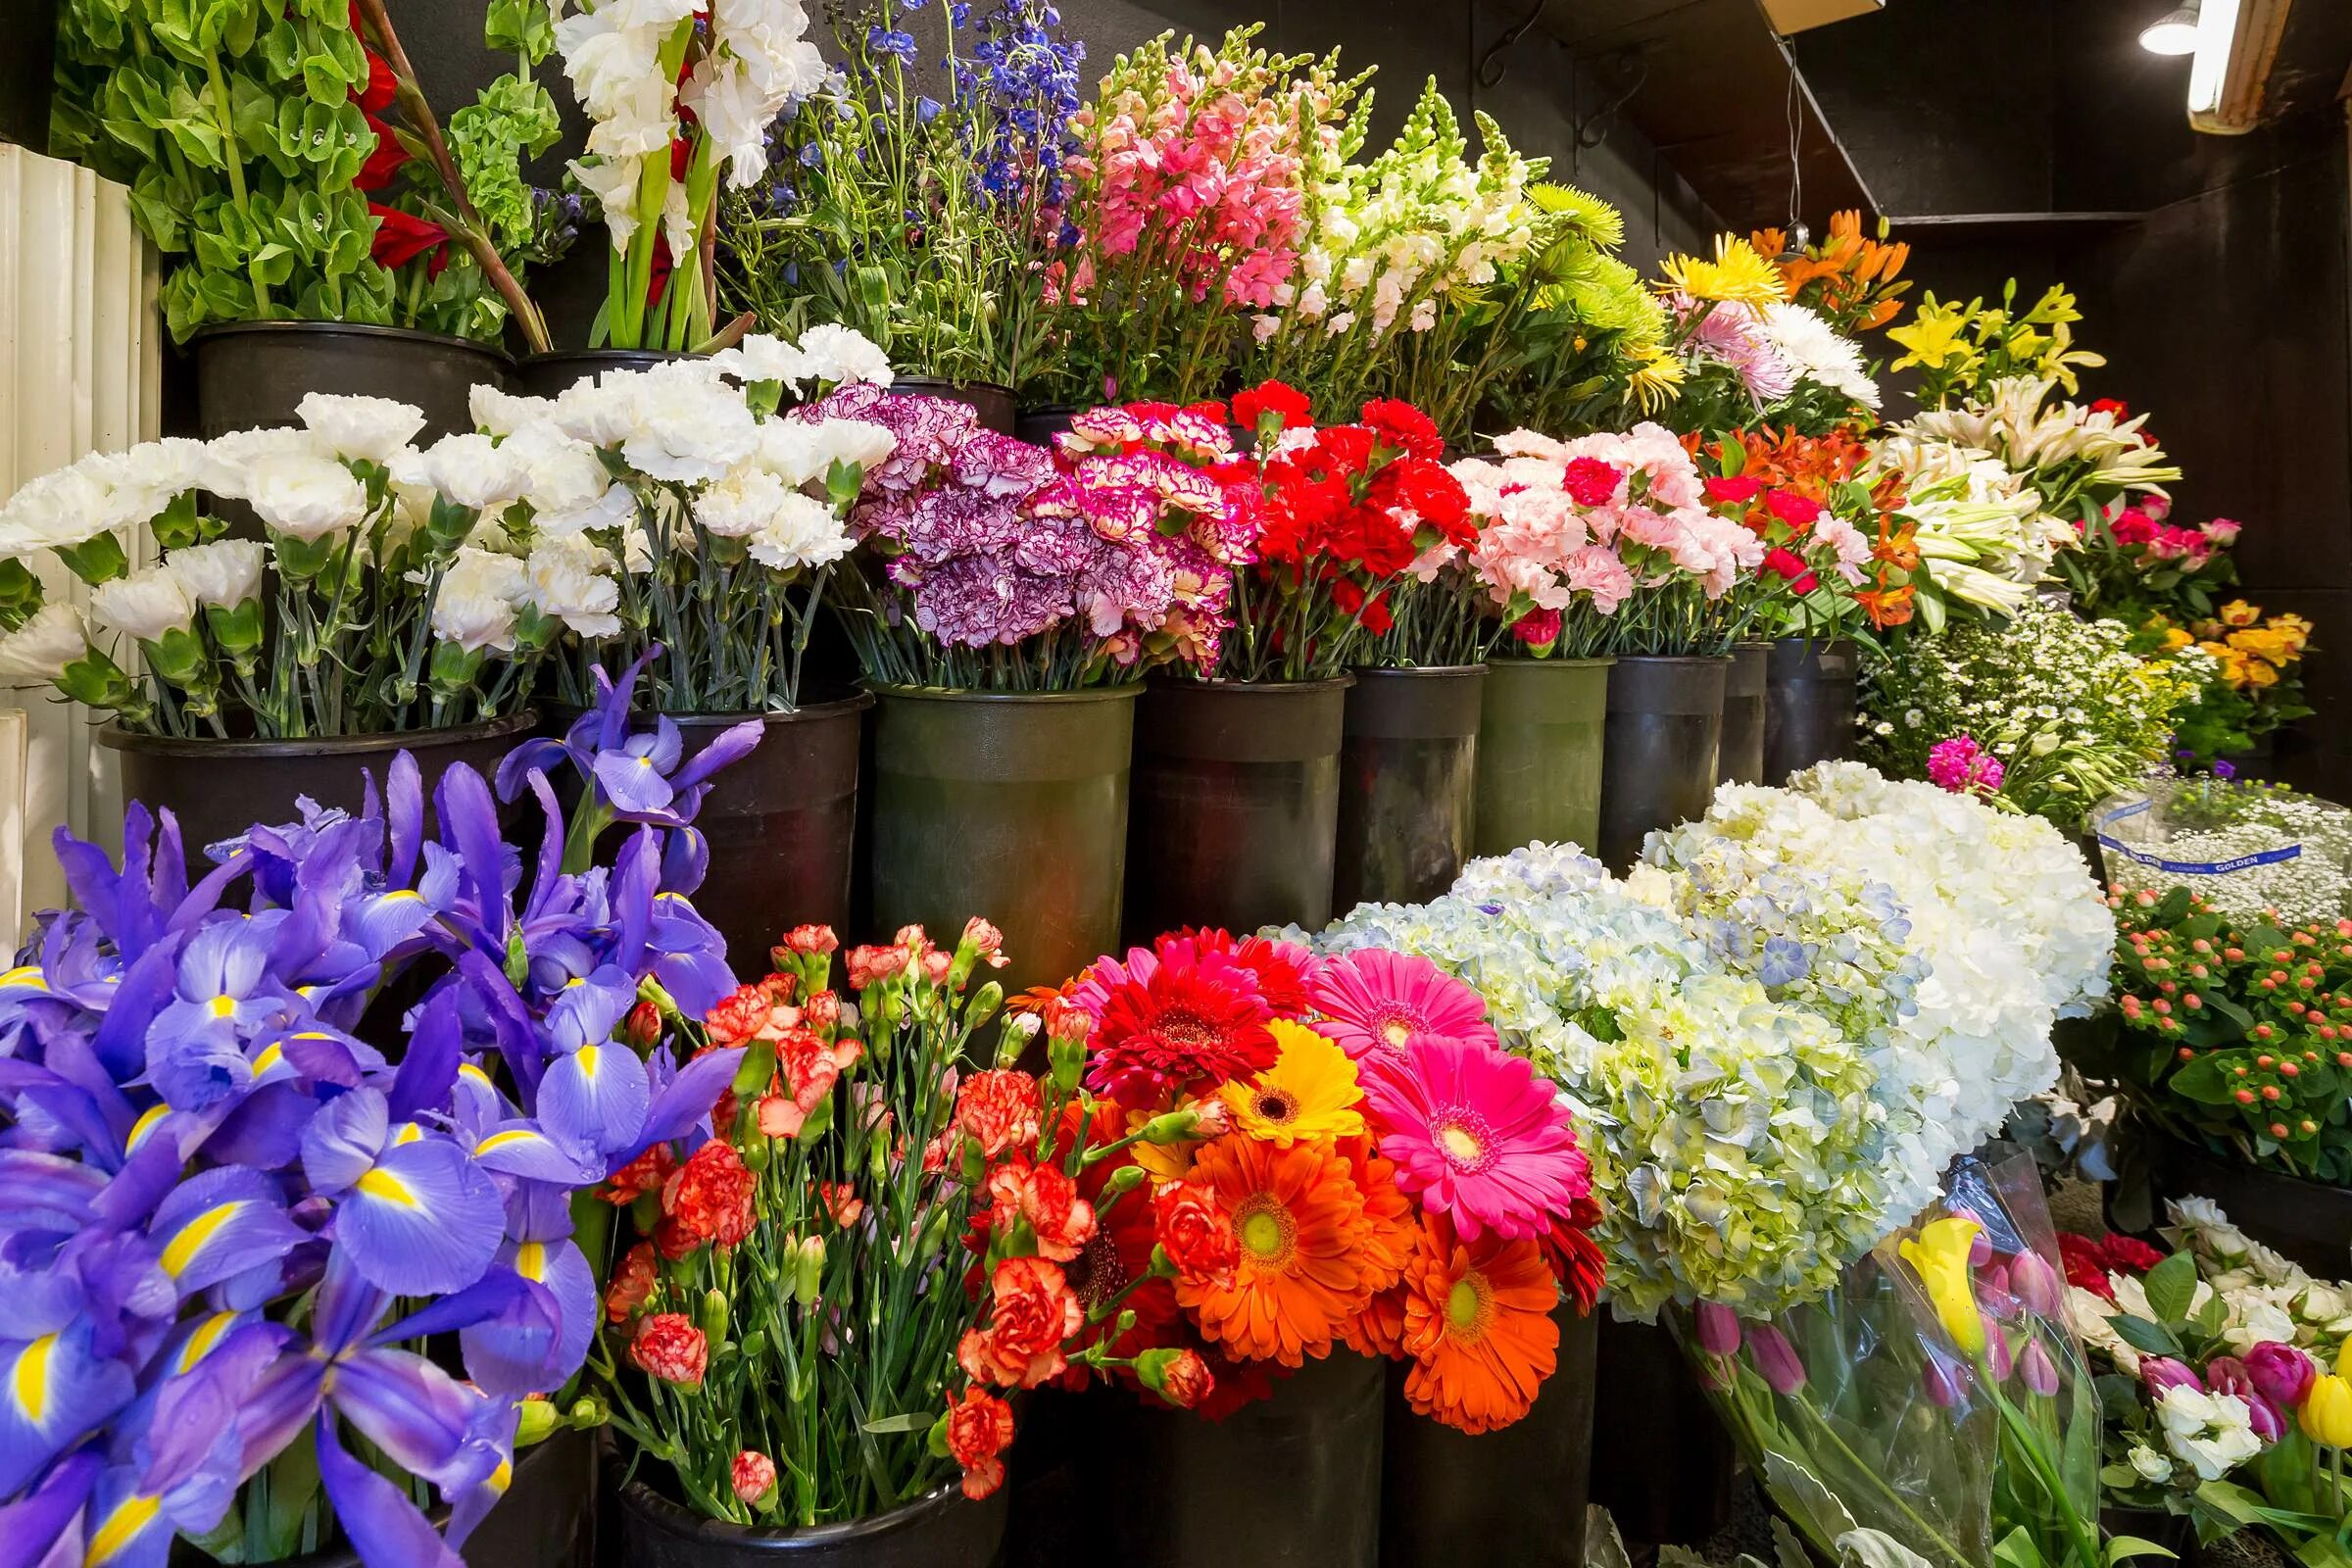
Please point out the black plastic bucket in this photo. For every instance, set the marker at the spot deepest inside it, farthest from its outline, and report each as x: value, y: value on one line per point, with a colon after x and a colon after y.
x: 1741, y: 760
x: 550, y: 375
x: 2308, y: 1222
x: 255, y: 374
x: 1808, y: 704
x: 1009, y: 805
x: 1542, y: 727
x: 1236, y: 804
x: 940, y: 1529
x: 1665, y: 732
x: 1408, y: 784
x: 1662, y: 1463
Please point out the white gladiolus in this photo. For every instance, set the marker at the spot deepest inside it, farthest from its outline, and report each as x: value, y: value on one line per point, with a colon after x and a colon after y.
x: 42, y: 648
x: 359, y: 428
x: 567, y: 581
x: 800, y: 532
x: 470, y: 469
x: 613, y: 182
x: 305, y: 495
x: 142, y: 606
x: 224, y: 573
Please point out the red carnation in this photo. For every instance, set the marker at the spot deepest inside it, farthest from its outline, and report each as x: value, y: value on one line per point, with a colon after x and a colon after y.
x: 812, y: 938
x: 753, y: 1477
x: 2085, y: 1265
x: 1179, y: 1376
x: 1047, y: 1199
x: 1539, y: 629
x: 1590, y: 483
x: 708, y: 1199
x: 1286, y: 404
x: 2127, y: 1255
x: 670, y: 1347
x: 1344, y: 450
x: 1797, y: 511
x: 632, y: 1283
x: 871, y: 965
x: 1735, y: 490
x: 1786, y: 561
x: 1196, y: 1234
x: 1032, y: 1312
x: 1437, y: 497
x: 1400, y: 424
x: 643, y: 1174
x: 998, y: 1110
x: 737, y: 1017
x: 979, y: 1429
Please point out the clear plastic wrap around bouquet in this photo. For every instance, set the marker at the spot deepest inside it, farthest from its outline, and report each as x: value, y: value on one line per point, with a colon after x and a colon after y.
x: 2247, y: 848
x: 1935, y: 1400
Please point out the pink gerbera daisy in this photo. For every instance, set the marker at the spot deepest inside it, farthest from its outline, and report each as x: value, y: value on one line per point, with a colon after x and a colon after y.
x: 1375, y: 1001
x: 1477, y: 1137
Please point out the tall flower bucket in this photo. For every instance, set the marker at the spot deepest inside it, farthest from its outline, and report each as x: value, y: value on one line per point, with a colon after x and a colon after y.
x: 1665, y: 733
x: 1742, y: 758
x: 1808, y: 704
x: 1540, y: 737
x: 1651, y: 1405
x: 551, y: 376
x: 1010, y: 805
x: 780, y: 825
x: 217, y: 789
x: 2303, y: 1220
x: 939, y: 1530
x: 1408, y: 772
x: 1236, y: 804
x: 1292, y: 1481
x: 253, y: 375
x: 1513, y: 1495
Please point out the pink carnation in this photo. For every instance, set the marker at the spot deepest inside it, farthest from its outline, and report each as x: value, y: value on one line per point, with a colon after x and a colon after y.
x: 1964, y: 767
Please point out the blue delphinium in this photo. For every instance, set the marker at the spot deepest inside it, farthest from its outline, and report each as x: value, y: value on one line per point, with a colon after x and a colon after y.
x: 228, y: 1222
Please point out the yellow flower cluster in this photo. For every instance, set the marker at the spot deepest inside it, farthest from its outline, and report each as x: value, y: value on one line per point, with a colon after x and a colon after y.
x: 2252, y: 651
x: 1737, y: 276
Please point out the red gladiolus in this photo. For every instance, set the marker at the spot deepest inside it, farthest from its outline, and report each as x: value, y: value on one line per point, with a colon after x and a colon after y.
x: 401, y: 237
x: 384, y: 161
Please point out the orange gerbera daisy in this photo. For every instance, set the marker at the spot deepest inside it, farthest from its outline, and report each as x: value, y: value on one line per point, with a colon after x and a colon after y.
x: 1300, y: 1223
x: 1390, y: 1230
x: 1478, y: 1325
x: 1378, y: 1331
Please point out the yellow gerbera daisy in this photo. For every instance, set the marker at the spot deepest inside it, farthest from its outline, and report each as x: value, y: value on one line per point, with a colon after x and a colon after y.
x: 1737, y: 276
x: 1310, y: 1093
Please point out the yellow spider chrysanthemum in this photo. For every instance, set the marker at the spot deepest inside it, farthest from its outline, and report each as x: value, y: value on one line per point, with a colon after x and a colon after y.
x: 1737, y: 276
x: 1654, y: 378
x: 1310, y: 1093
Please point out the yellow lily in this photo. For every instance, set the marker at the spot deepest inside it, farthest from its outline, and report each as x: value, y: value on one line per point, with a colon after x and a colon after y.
x: 1940, y: 1255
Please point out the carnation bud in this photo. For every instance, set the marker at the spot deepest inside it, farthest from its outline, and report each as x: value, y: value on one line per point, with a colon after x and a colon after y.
x: 537, y: 1420
x: 1012, y: 1041
x: 643, y: 1026
x: 713, y: 1322
x: 1066, y: 1060
x: 586, y: 1414
x: 1173, y: 1127
x: 1126, y: 1179
x: 1180, y: 1377
x: 754, y: 1476
x: 983, y: 1005
x: 808, y: 1269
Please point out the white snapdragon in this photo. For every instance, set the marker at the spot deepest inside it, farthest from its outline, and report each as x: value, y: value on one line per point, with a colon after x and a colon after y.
x: 224, y: 573
x: 143, y: 606
x: 359, y: 428
x: 52, y: 638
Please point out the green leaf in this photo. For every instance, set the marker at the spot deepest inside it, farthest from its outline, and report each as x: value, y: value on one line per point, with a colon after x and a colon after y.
x: 900, y: 1423
x: 2122, y: 1548
x: 2204, y: 1080
x: 2149, y: 1339
x: 2172, y: 1287
x: 520, y: 26
x: 2016, y: 1550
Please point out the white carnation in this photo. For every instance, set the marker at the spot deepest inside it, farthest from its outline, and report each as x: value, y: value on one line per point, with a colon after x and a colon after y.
x: 142, y: 606
x: 840, y: 354
x: 42, y: 648
x: 800, y: 532
x: 470, y: 470
x: 225, y: 573
x: 763, y: 356
x: 475, y: 604
x: 501, y: 413
x: 229, y: 460
x: 359, y: 429
x: 691, y: 427
x: 741, y: 502
x: 307, y: 497
x: 64, y: 507
x: 567, y: 581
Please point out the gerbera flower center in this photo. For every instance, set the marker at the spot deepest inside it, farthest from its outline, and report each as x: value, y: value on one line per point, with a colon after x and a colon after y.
x: 1398, y: 1026
x: 1187, y: 1029
x: 1470, y: 1307
x: 1095, y: 1275
x: 1465, y: 1137
x: 1267, y: 1232
x: 1276, y: 1106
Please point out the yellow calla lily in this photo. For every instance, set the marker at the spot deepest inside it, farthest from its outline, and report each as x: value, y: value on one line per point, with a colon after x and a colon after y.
x: 1939, y: 1253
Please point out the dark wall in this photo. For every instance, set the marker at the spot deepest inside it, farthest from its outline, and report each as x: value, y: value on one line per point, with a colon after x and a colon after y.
x: 2221, y: 302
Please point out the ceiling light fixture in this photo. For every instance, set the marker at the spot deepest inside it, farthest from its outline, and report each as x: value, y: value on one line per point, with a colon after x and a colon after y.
x: 2173, y: 33
x: 2209, y: 73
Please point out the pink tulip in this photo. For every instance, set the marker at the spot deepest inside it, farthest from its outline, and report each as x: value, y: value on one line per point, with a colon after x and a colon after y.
x: 1775, y: 1359
x: 2039, y: 1286
x: 2040, y: 1372
x: 2161, y: 1372
x: 2281, y: 1373
x: 1718, y: 1329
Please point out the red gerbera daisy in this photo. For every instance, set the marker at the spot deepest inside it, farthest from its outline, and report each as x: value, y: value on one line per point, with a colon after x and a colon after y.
x: 1282, y: 969
x: 1163, y: 1026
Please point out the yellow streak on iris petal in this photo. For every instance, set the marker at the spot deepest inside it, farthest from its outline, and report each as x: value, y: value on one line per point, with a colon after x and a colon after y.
x: 190, y: 1238
x: 388, y: 1186
x: 29, y: 1382
x: 409, y: 1131
x: 271, y: 1055
x: 223, y: 1006
x: 466, y: 1069
x: 588, y: 1056
x: 506, y: 1139
x: 146, y: 1124
x: 208, y: 1334
x: 530, y: 1260
x: 25, y: 974
x: 131, y: 1517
